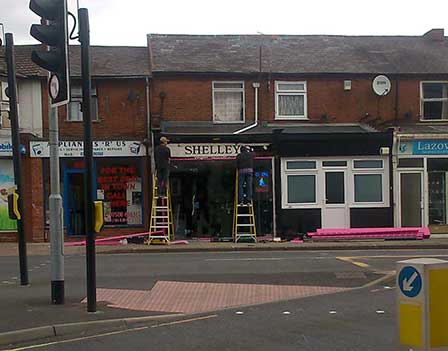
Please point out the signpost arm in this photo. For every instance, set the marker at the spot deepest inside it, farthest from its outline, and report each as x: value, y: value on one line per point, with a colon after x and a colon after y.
x: 15, y: 135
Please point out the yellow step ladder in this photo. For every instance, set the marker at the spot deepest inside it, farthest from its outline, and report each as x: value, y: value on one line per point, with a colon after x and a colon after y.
x: 161, y: 217
x: 244, y: 226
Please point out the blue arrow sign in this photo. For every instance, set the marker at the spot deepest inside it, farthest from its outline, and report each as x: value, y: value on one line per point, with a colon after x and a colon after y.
x: 410, y: 281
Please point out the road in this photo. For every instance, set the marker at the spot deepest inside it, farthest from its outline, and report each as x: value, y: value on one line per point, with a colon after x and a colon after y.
x: 322, y: 300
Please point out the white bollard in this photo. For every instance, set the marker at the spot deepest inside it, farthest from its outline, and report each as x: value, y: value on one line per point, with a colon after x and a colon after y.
x: 422, y: 300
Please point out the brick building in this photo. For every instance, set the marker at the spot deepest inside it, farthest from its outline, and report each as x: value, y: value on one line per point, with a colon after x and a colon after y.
x: 120, y: 84
x: 324, y: 137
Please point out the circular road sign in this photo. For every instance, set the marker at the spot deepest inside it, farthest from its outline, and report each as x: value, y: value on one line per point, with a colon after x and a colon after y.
x: 410, y: 281
x: 54, y: 86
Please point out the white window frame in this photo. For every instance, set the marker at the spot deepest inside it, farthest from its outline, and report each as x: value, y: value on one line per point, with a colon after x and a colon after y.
x: 285, y: 172
x: 350, y: 172
x: 423, y: 100
x: 291, y: 92
x: 95, y: 118
x: 241, y: 90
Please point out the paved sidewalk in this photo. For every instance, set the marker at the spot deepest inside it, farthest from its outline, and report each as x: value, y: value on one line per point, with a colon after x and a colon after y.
x: 43, y: 249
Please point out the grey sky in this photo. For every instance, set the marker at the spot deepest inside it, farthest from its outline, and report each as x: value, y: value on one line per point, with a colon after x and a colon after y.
x: 121, y: 22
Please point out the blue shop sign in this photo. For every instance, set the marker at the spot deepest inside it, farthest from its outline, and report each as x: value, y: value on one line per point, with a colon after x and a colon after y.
x: 430, y: 147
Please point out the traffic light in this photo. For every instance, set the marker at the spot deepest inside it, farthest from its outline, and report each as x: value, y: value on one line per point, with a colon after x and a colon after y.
x: 54, y: 34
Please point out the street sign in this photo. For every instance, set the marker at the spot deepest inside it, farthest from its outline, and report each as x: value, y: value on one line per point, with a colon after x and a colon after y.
x: 410, y: 281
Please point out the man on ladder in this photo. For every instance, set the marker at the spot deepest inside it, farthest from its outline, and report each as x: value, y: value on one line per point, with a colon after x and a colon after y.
x: 161, y: 224
x: 162, y: 155
x: 245, y: 166
x: 244, y: 227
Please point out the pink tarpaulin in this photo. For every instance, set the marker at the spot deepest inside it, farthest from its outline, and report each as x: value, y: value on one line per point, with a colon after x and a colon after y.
x: 112, y: 240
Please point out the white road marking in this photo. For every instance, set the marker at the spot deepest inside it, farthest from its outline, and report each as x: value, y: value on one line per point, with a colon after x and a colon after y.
x: 286, y: 312
x: 239, y: 312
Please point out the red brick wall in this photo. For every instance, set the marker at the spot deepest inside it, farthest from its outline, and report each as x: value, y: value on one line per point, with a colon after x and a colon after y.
x: 119, y: 117
x: 190, y: 99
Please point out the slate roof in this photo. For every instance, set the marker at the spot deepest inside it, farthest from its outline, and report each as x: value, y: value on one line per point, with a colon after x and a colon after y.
x: 299, y: 54
x: 106, y: 61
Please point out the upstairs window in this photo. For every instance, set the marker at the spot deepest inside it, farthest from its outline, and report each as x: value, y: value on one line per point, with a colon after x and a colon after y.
x: 74, y: 108
x: 434, y: 104
x: 228, y: 102
x: 290, y: 100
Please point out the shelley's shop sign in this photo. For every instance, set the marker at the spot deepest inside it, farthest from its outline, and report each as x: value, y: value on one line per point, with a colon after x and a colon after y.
x: 424, y: 147
x: 207, y: 150
x: 112, y: 148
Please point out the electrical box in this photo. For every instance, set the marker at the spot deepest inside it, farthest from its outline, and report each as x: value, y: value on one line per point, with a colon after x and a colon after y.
x: 347, y: 85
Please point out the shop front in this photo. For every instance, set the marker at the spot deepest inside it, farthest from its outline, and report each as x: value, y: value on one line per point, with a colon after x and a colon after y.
x: 203, y: 181
x: 119, y: 169
x: 422, y: 183
x: 333, y: 180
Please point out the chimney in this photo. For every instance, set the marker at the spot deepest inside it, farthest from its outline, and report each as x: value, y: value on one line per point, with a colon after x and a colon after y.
x: 436, y: 34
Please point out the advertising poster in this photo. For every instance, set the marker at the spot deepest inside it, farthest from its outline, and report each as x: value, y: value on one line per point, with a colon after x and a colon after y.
x: 6, y: 186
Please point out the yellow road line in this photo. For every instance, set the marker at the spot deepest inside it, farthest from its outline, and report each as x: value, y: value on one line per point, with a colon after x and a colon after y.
x: 75, y: 339
x: 184, y: 321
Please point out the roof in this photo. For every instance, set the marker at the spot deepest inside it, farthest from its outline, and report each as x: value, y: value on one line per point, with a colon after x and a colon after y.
x: 106, y: 61
x: 435, y: 128
x: 300, y: 53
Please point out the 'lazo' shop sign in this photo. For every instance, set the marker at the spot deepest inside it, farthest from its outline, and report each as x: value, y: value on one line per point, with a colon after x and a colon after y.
x: 209, y: 150
x: 111, y: 148
x: 424, y: 147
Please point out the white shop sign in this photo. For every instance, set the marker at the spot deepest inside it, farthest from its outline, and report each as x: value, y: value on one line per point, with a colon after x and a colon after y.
x: 208, y: 150
x: 113, y: 148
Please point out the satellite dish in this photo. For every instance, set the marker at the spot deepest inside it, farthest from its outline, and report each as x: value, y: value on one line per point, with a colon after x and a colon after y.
x: 381, y: 85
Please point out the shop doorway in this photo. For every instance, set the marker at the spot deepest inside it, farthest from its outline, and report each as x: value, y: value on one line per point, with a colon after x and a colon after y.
x: 203, y: 191
x: 411, y: 199
x: 74, y: 201
x: 334, y: 210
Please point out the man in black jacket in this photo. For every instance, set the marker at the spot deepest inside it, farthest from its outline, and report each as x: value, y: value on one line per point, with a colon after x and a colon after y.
x: 245, y: 166
x: 162, y: 155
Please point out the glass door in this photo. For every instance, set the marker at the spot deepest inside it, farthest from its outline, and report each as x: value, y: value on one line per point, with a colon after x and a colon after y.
x: 334, y: 212
x: 411, y: 199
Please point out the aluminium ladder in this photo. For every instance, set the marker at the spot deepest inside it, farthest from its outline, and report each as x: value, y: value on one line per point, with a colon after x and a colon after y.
x: 161, y: 228
x: 244, y: 226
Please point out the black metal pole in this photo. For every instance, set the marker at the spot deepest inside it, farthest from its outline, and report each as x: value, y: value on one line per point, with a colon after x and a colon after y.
x: 84, y: 37
x: 15, y: 136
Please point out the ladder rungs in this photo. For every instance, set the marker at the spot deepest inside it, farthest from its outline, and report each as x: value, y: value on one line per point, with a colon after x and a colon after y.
x: 244, y: 215
x: 165, y: 208
x: 245, y: 225
x: 166, y: 217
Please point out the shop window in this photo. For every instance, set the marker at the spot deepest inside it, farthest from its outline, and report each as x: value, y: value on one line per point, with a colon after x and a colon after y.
x: 120, y: 187
x: 290, y: 100
x: 74, y: 109
x: 301, y: 188
x: 301, y: 164
x: 434, y: 100
x: 410, y: 163
x: 368, y: 164
x: 368, y: 188
x: 7, y: 186
x: 228, y: 102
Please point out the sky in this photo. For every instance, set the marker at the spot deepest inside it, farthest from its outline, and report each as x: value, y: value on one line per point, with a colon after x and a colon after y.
x: 126, y: 22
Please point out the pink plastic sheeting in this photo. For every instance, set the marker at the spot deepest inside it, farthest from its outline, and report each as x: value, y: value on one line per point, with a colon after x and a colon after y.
x: 418, y: 233
x: 111, y: 238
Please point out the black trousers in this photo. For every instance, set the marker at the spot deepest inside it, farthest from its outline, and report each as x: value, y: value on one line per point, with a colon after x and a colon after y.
x: 162, y: 180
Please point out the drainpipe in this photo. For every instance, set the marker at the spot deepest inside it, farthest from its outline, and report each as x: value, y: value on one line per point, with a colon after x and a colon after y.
x: 149, y: 146
x: 256, y: 85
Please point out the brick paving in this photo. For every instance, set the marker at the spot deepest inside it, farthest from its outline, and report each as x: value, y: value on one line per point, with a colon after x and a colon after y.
x: 194, y: 297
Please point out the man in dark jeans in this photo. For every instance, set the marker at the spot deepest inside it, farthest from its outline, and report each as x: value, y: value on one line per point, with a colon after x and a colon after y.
x: 162, y: 155
x: 245, y: 166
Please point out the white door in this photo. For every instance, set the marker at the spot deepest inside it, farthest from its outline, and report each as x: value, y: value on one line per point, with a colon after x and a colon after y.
x: 335, y: 212
x: 411, y: 199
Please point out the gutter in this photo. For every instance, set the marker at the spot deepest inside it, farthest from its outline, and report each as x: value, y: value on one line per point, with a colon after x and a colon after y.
x: 256, y: 86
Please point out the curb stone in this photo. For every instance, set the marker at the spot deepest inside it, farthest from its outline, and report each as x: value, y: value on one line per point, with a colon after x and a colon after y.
x: 66, y: 329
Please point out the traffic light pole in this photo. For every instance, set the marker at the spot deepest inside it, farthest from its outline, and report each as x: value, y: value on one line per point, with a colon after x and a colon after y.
x: 15, y: 136
x: 84, y: 38
x: 56, y: 223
